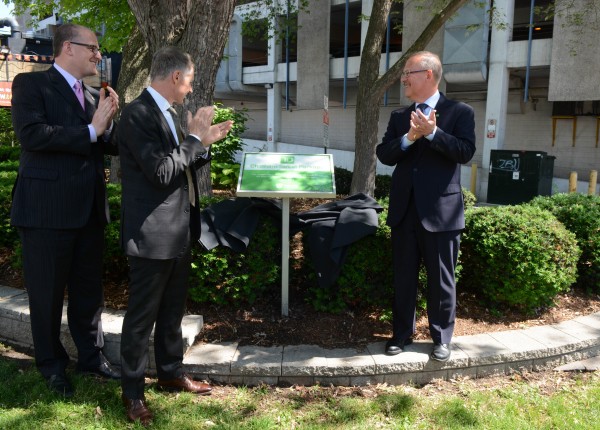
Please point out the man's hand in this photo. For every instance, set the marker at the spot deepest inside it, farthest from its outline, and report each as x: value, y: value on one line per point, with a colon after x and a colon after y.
x: 421, y: 124
x: 107, y: 107
x: 200, y: 125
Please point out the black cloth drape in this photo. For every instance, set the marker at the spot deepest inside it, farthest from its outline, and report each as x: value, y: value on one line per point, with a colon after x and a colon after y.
x: 332, y: 226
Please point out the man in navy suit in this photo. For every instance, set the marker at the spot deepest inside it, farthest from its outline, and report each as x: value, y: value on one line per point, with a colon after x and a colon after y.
x: 426, y: 142
x: 59, y: 202
x: 160, y: 220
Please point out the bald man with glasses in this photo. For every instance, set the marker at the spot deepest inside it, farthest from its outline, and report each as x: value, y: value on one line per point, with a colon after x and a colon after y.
x: 426, y: 142
x: 59, y: 202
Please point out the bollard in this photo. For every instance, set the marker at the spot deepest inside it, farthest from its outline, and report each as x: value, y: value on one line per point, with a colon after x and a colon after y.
x: 474, y: 178
x: 573, y: 182
x: 593, y: 180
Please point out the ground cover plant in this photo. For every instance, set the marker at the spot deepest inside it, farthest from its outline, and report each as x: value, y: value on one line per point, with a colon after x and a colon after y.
x: 550, y: 400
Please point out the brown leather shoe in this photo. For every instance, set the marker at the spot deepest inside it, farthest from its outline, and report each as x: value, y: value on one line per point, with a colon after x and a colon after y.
x: 185, y: 383
x: 137, y: 409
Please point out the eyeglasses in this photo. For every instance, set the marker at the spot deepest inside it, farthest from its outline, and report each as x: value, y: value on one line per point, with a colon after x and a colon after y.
x: 92, y: 48
x: 407, y: 73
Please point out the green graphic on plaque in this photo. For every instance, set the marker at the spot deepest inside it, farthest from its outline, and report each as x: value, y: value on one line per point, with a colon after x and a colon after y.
x: 287, y: 172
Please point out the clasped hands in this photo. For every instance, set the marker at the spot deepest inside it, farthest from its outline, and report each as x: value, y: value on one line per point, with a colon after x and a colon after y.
x: 107, y: 107
x: 200, y: 124
x: 421, y: 124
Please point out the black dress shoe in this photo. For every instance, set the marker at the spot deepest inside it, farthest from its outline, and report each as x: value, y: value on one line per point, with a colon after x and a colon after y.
x: 395, y: 346
x: 104, y: 370
x: 440, y: 352
x: 59, y: 384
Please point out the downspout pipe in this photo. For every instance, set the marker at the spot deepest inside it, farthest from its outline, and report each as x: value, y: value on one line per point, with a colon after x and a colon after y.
x: 387, y: 54
x: 346, y: 19
x: 287, y: 58
x: 529, y: 43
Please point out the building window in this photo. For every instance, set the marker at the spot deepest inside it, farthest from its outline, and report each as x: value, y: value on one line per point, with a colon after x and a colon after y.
x: 542, y: 26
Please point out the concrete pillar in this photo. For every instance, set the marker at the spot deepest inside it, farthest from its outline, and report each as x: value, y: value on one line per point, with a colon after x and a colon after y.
x: 313, y: 55
x: 497, y: 94
x: 366, y: 8
x: 415, y: 19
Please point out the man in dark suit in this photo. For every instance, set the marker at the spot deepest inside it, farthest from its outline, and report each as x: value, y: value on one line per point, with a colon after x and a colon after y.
x: 59, y: 202
x: 160, y: 218
x: 426, y: 142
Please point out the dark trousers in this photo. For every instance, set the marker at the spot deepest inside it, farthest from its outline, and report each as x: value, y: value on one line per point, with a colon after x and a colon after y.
x: 52, y: 260
x: 157, y: 297
x: 439, y: 252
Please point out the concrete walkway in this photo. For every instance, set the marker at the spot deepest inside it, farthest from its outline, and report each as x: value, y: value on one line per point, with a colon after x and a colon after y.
x: 475, y: 356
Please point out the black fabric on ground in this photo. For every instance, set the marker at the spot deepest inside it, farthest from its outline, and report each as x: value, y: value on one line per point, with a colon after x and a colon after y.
x: 333, y: 226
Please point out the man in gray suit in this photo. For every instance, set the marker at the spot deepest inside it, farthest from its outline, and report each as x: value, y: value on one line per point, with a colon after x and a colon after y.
x: 160, y: 219
x: 59, y: 202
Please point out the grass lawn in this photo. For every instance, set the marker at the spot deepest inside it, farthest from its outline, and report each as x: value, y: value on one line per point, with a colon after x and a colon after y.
x: 546, y: 400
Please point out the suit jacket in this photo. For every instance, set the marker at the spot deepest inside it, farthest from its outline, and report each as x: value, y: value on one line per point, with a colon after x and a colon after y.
x: 430, y: 170
x: 61, y: 172
x: 155, y: 204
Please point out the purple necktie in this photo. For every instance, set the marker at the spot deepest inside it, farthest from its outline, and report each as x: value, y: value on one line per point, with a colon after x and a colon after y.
x: 79, y: 93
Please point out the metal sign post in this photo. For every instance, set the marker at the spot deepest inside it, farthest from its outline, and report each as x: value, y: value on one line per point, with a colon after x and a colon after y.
x: 325, y: 123
x: 276, y: 175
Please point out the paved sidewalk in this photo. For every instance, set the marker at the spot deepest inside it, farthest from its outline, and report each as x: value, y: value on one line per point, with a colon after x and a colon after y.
x: 475, y: 356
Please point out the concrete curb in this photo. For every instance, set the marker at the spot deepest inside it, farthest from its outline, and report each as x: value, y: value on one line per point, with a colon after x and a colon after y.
x: 485, y: 354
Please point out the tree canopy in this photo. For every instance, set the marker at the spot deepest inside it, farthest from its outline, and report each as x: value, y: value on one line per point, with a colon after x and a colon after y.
x: 112, y: 17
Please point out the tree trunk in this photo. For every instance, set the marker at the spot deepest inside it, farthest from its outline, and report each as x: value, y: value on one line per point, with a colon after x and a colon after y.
x: 133, y: 78
x: 368, y: 101
x: 371, y: 87
x: 198, y: 27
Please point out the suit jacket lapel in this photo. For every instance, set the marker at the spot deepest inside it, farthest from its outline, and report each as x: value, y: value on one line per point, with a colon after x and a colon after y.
x: 90, y: 102
x: 440, y: 109
x: 160, y: 117
x: 63, y: 88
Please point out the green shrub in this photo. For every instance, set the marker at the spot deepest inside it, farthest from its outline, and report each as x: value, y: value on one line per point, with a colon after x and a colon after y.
x: 224, y: 175
x: 517, y: 256
x: 7, y: 133
x: 9, y: 153
x: 581, y: 215
x: 383, y: 184
x: 469, y: 198
x: 223, y: 276
x: 115, y: 261
x: 224, y: 150
x: 9, y: 166
x: 343, y: 179
x: 8, y: 235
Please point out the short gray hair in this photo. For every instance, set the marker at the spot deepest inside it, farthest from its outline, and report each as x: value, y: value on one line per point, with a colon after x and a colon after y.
x: 167, y: 60
x: 429, y: 60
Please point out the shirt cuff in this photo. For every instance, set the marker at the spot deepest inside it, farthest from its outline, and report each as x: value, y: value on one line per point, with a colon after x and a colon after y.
x: 93, y: 136
x: 430, y: 136
x: 406, y: 142
x: 205, y: 155
x: 108, y: 131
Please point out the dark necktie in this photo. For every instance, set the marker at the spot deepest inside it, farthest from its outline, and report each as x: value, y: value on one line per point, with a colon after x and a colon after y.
x: 175, y: 118
x: 423, y: 107
x: 188, y: 172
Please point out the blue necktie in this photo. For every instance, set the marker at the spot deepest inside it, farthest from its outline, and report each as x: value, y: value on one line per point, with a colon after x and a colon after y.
x: 423, y: 107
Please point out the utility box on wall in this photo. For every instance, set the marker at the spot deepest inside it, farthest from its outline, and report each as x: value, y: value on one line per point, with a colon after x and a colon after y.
x: 518, y: 176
